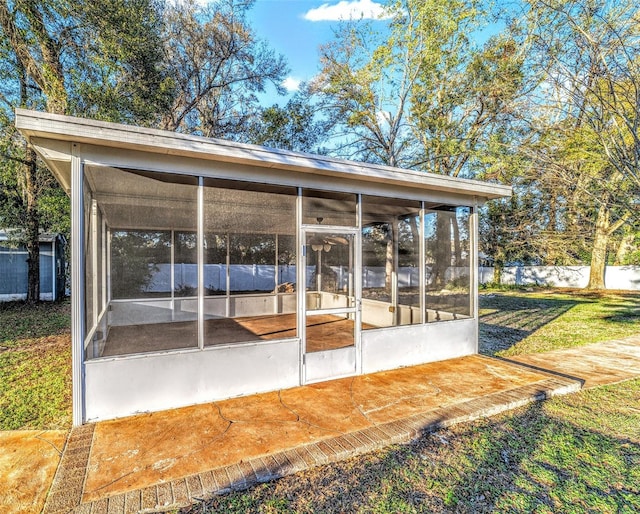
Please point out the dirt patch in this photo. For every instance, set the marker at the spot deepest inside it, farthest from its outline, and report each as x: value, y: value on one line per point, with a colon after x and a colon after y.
x: 39, y: 345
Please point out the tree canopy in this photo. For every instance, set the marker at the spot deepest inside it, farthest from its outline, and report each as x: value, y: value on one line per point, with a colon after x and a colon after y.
x: 541, y: 94
x: 177, y: 65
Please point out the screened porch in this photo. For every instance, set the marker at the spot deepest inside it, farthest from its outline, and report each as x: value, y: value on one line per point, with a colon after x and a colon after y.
x: 160, y: 277
x: 205, y: 269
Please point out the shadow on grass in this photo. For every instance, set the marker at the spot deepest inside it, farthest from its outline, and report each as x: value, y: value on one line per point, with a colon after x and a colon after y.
x: 512, y: 318
x: 626, y: 314
x: 525, y: 462
x: 533, y: 462
x: 506, y: 320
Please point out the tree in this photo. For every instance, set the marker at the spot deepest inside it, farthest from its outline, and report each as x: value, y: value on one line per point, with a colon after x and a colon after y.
x: 69, y: 57
x: 219, y: 66
x: 465, y: 93
x: 298, y: 126
x: 591, y: 57
x: 364, y: 87
x: 34, y: 64
x: 119, y: 72
x: 423, y: 95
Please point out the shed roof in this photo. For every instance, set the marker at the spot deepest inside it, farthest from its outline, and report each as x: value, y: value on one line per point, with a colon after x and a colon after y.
x: 46, y: 131
x: 44, y: 237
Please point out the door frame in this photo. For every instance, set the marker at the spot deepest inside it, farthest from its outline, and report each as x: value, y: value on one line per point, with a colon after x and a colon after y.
x: 306, y: 361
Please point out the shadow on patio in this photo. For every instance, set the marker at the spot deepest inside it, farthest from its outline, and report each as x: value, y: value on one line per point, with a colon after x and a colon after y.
x: 529, y: 460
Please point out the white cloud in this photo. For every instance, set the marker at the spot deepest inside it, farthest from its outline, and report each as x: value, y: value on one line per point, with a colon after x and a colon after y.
x: 291, y: 84
x: 347, y: 10
x: 384, y: 118
x: 190, y: 3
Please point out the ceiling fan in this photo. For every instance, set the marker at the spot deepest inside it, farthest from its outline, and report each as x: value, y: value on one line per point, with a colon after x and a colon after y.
x: 325, y: 243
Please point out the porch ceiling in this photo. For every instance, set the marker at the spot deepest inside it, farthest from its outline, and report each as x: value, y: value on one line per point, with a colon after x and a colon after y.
x: 140, y: 201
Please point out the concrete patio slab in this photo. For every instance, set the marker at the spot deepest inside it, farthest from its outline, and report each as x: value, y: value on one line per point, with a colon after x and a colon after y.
x: 596, y: 364
x: 28, y: 461
x: 168, y: 459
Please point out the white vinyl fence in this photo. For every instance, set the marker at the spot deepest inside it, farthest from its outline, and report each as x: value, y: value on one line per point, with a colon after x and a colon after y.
x: 616, y: 277
x: 262, y: 277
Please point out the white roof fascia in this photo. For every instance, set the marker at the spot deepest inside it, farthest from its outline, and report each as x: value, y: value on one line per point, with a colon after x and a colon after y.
x: 79, y: 130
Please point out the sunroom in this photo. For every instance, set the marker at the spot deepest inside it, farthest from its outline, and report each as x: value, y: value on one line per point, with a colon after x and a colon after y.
x: 204, y: 269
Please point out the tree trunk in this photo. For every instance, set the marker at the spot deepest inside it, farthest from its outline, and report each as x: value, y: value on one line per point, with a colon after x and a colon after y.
x: 32, y: 229
x: 442, y: 252
x: 599, y: 253
x: 624, y: 248
x: 388, y: 262
x: 415, y: 232
x: 456, y: 241
x: 497, y: 273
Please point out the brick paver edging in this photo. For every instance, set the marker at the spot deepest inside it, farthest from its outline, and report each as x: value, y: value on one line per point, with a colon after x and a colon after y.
x: 66, y: 497
x: 68, y: 482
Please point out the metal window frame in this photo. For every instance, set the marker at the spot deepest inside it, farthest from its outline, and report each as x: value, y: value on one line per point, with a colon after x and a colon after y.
x: 473, y: 272
x: 423, y: 265
x: 356, y: 309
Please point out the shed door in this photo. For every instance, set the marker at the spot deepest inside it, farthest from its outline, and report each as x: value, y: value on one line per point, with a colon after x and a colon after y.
x: 331, y: 321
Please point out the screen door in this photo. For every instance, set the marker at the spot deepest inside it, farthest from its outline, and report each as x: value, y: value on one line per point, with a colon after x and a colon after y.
x: 331, y: 327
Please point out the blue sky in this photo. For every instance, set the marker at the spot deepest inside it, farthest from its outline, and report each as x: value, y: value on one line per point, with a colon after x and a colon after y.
x: 296, y: 28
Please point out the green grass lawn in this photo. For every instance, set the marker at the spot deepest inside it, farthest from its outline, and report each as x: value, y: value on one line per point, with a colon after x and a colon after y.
x: 516, y: 322
x: 576, y: 453
x: 35, y: 366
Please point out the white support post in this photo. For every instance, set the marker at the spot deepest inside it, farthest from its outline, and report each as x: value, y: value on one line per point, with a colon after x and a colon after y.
x: 395, y: 227
x: 421, y: 270
x: 94, y: 261
x: 276, y: 275
x: 54, y: 269
x: 473, y: 264
x: 108, y: 269
x: 172, y: 275
x: 227, y: 278
x: 301, y: 286
x: 95, y: 309
x: 357, y: 324
x: 77, y: 287
x: 319, y: 275
x: 200, y: 260
x: 103, y: 271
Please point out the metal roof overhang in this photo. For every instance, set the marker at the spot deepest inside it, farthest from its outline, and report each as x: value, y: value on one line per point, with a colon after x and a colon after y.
x: 52, y: 136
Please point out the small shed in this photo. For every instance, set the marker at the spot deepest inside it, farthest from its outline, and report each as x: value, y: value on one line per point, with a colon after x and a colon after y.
x: 14, y: 268
x: 205, y: 269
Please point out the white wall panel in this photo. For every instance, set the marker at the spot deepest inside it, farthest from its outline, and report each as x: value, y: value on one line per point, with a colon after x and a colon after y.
x: 144, y: 383
x: 396, y: 347
x: 330, y: 364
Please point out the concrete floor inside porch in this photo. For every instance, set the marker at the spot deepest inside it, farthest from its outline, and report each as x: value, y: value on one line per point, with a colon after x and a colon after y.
x: 164, y: 459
